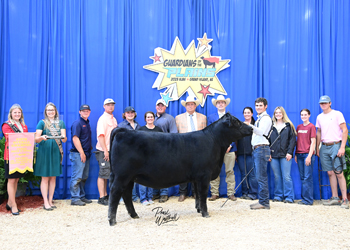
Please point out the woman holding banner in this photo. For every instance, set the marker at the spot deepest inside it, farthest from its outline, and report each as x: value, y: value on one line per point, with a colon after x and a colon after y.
x: 15, y: 124
x: 50, y: 133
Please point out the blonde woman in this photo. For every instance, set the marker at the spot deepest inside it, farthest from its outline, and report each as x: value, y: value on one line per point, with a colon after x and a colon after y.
x: 15, y: 124
x: 50, y: 153
x: 282, y: 139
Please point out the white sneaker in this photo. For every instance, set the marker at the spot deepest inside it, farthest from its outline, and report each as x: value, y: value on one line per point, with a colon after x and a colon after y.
x: 145, y: 203
x: 150, y: 202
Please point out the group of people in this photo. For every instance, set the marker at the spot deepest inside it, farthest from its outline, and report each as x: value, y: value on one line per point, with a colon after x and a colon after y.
x: 273, y: 139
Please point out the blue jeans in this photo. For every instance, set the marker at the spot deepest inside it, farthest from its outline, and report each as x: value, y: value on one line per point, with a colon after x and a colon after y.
x: 306, y: 179
x: 146, y: 193
x: 283, y: 181
x: 250, y: 185
x: 80, y: 173
x: 134, y: 194
x: 163, y: 191
x: 261, y: 157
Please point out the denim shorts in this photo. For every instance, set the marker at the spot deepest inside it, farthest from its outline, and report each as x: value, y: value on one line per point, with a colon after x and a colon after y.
x: 328, y: 154
x: 105, y: 166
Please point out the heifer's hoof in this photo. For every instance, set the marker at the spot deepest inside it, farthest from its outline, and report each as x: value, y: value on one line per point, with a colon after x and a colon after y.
x: 198, y: 210
x: 205, y: 215
x: 135, y: 216
x: 112, y: 222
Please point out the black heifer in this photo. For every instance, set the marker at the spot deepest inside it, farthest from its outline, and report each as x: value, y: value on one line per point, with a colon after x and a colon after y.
x: 161, y: 160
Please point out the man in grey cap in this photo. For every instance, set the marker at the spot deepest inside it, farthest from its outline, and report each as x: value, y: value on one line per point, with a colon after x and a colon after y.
x: 333, y: 134
x: 106, y: 123
x: 167, y: 123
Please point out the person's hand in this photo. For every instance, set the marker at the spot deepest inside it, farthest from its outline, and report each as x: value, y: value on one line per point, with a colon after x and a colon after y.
x: 308, y: 161
x: 228, y: 149
x: 83, y: 157
x: 44, y: 137
x: 296, y: 159
x: 270, y: 158
x: 106, y: 155
x: 318, y: 152
x: 341, y: 152
x: 288, y: 157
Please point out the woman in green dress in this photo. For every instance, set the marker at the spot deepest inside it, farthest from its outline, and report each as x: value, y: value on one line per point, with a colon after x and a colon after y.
x: 50, y: 153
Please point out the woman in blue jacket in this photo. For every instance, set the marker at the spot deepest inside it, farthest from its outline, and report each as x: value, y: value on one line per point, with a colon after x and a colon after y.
x: 282, y: 139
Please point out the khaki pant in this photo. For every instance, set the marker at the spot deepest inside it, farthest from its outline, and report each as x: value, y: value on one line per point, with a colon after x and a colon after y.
x: 229, y: 161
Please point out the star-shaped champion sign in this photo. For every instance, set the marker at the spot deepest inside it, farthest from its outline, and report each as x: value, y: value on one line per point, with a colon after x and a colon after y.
x: 204, y: 41
x: 166, y: 98
x: 205, y: 91
x: 156, y: 58
x: 186, y: 70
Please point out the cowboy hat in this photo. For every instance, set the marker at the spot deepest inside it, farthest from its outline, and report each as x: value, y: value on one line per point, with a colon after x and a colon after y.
x: 221, y: 98
x: 190, y: 99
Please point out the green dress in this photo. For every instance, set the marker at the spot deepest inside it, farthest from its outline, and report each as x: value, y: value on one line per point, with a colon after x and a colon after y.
x: 48, y: 157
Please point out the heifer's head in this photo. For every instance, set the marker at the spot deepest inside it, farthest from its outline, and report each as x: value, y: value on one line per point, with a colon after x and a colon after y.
x: 237, y: 129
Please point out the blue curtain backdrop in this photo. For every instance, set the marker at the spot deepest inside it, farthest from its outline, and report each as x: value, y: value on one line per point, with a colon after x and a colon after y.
x: 73, y: 51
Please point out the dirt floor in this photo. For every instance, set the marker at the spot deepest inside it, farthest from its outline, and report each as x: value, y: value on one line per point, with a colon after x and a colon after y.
x: 235, y: 226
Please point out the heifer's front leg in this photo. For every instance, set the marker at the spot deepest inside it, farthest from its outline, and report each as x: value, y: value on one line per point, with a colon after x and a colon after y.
x: 127, y: 196
x: 196, y: 194
x: 203, y: 187
x: 114, y: 197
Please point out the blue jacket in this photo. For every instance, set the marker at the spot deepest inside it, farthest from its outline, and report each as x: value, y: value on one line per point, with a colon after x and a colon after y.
x: 213, y: 118
x: 126, y: 124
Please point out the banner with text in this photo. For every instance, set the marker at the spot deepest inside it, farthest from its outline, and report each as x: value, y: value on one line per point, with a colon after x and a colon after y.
x: 21, y: 149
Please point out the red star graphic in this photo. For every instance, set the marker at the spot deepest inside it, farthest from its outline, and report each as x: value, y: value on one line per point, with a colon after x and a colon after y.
x: 205, y: 90
x: 156, y: 58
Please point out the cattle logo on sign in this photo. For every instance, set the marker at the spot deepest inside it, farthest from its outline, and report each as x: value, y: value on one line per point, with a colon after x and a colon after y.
x: 193, y: 70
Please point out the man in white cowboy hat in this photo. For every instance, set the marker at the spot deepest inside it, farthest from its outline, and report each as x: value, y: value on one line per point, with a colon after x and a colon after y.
x: 221, y: 103
x: 188, y: 122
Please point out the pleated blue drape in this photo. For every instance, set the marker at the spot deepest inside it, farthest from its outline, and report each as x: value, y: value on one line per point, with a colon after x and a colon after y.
x: 73, y: 51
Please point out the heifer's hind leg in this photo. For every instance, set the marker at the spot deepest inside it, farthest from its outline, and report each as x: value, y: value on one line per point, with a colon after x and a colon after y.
x: 114, y: 197
x: 196, y: 194
x: 203, y: 187
x: 128, y: 200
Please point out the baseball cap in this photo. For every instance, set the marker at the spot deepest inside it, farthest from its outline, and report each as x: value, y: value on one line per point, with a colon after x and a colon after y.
x: 129, y: 108
x: 324, y: 99
x: 161, y: 101
x: 108, y: 100
x: 84, y: 107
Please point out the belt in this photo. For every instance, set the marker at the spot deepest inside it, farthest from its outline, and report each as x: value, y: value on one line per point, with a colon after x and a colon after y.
x: 260, y: 145
x: 330, y: 143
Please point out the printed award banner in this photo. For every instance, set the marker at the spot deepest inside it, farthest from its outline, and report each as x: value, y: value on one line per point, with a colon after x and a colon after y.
x: 21, y: 149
